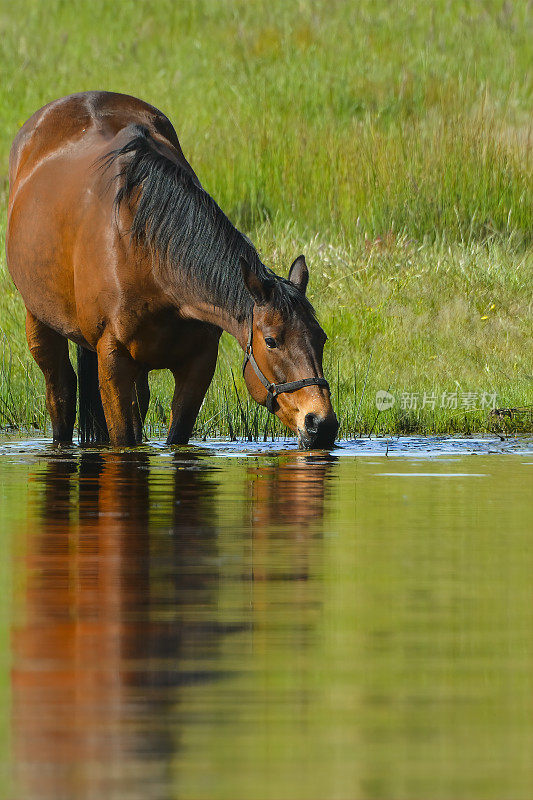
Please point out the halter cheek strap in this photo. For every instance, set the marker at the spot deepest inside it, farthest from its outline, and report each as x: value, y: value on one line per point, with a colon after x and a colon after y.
x: 275, y: 389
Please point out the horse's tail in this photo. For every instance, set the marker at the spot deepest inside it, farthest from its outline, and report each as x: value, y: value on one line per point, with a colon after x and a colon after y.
x: 92, y: 428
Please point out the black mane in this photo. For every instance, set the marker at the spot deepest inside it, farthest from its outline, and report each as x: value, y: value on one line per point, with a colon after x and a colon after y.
x: 185, y: 229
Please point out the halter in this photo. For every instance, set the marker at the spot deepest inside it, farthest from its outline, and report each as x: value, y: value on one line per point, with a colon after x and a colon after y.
x: 275, y: 389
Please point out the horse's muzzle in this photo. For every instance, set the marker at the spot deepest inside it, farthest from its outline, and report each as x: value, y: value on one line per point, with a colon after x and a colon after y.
x: 319, y: 433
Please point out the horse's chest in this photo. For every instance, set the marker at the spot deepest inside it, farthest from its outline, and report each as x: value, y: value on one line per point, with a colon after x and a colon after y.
x: 164, y: 341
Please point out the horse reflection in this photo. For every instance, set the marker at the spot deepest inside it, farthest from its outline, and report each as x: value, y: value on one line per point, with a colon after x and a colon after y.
x: 110, y: 629
x: 287, y: 501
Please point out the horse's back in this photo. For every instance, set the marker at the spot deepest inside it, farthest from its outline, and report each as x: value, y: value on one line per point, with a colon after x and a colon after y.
x: 78, y: 117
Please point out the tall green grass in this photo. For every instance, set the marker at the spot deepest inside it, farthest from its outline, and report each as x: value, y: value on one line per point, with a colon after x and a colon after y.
x: 391, y: 142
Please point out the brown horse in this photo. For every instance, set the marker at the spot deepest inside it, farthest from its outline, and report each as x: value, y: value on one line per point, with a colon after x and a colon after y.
x: 114, y: 244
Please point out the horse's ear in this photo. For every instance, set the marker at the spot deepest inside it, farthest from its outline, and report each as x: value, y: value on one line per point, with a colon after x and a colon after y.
x: 299, y: 274
x: 258, y: 288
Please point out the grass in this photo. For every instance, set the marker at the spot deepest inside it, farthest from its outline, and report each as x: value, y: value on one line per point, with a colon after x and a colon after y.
x: 391, y: 142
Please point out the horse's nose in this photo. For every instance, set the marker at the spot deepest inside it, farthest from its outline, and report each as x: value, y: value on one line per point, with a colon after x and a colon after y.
x: 312, y: 422
x: 320, y: 431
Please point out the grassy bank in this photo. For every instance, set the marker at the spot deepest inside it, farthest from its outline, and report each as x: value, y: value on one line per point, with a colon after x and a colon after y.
x: 391, y: 143
x: 424, y: 322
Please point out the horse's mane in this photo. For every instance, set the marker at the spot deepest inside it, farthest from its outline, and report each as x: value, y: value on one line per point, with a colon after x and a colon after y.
x: 185, y: 229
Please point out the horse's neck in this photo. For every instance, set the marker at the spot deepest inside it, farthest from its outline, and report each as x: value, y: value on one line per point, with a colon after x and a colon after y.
x: 214, y: 315
x: 192, y: 305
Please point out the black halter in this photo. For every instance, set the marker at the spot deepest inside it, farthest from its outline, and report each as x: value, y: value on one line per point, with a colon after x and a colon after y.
x: 274, y: 389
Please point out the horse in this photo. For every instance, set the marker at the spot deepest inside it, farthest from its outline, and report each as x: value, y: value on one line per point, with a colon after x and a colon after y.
x: 114, y: 244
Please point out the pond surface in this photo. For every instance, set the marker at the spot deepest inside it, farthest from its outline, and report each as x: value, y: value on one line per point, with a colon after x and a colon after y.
x: 228, y: 622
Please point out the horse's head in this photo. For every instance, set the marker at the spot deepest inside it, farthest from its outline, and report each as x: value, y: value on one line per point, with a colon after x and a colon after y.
x: 283, y: 361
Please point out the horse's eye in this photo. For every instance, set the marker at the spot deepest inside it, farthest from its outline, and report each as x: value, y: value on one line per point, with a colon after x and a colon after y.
x: 270, y: 342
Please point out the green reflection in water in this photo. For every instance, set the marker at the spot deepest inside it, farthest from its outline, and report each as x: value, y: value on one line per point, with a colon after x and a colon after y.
x: 280, y: 626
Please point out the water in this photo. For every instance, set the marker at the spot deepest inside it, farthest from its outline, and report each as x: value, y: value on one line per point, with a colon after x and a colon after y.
x: 228, y: 622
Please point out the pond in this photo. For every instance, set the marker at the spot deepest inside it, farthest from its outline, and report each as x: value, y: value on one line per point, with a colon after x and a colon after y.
x: 249, y: 622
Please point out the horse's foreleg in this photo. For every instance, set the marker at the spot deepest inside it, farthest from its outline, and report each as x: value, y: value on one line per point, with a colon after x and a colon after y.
x: 141, y: 401
x: 192, y: 382
x: 50, y: 351
x: 116, y: 375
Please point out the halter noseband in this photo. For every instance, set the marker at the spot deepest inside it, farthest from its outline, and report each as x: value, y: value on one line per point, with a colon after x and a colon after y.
x: 274, y: 389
